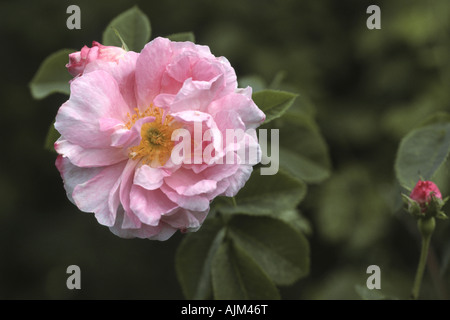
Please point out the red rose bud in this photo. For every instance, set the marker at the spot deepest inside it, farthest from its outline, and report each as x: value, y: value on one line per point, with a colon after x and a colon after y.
x: 80, y: 59
x: 424, y: 191
x: 425, y: 200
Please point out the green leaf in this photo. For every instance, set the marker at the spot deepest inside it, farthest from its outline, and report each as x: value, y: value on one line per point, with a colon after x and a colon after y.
x: 422, y: 152
x: 273, y: 103
x: 193, y: 259
x: 235, y: 276
x: 302, y: 105
x: 52, y: 75
x: 267, y: 195
x: 295, y: 219
x: 134, y: 28
x: 303, y: 150
x: 278, y: 248
x: 302, y: 167
x: 182, y: 36
x: 123, y: 44
x: 52, y: 136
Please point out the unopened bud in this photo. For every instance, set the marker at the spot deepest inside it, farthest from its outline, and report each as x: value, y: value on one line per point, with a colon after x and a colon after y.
x: 425, y: 201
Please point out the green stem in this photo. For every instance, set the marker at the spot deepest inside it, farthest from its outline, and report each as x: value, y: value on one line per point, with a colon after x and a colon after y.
x: 420, y: 268
x: 426, y: 228
x: 234, y: 202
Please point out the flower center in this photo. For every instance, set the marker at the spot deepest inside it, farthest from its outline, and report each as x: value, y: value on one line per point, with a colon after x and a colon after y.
x: 154, y: 136
x: 156, y: 144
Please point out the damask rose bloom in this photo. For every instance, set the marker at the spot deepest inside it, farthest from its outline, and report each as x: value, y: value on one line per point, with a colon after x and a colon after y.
x: 78, y: 60
x: 116, y: 150
x: 423, y: 193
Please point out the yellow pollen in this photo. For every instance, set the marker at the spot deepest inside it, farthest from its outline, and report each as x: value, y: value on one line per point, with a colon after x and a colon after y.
x: 156, y: 144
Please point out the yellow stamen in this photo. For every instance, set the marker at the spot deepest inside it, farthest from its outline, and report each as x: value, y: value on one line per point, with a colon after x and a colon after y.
x: 139, y: 115
x: 156, y: 144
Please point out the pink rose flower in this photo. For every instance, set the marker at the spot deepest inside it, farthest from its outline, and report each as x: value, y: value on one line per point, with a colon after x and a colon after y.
x: 78, y: 60
x: 116, y: 152
x: 424, y: 191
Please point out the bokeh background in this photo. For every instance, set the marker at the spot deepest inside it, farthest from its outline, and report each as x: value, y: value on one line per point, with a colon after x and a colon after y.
x: 368, y: 89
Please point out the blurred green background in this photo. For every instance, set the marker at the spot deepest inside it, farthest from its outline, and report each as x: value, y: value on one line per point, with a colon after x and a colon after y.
x: 368, y: 87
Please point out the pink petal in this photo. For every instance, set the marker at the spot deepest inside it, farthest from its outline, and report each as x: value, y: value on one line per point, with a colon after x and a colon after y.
x: 197, y: 95
x: 208, y: 70
x: 150, y: 66
x: 73, y: 175
x: 194, y: 203
x: 93, y: 96
x: 250, y: 114
x: 238, y: 180
x: 202, y: 72
x: 114, y: 199
x: 222, y: 186
x: 176, y: 73
x: 192, y: 116
x: 186, y: 220
x: 125, y: 138
x: 186, y: 46
x: 164, y: 100
x: 131, y: 221
x: 229, y: 119
x: 231, y: 83
x: 94, y: 194
x: 110, y: 124
x: 220, y: 171
x: 89, y: 157
x: 123, y: 72
x: 161, y: 232
x: 166, y: 231
x: 187, y: 183
x: 149, y: 205
x: 127, y: 177
x: 149, y: 178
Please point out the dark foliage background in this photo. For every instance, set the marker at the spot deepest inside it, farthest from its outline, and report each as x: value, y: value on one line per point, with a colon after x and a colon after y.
x: 369, y: 88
